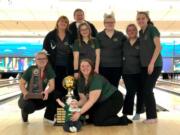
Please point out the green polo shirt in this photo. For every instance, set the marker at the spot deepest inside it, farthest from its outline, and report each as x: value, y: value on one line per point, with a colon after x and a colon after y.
x: 111, y: 49
x: 147, y: 46
x: 96, y: 82
x: 49, y: 74
x: 86, y: 50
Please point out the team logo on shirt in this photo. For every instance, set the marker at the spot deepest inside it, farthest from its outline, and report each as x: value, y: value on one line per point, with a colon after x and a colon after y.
x: 53, y: 45
x: 124, y: 58
x: 36, y: 71
x: 137, y: 47
x: 115, y: 39
x: 93, y: 46
x: 45, y: 80
x: 145, y: 37
x: 66, y: 43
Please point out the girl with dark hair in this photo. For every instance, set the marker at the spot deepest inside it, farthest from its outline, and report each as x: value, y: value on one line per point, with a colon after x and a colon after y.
x: 85, y: 47
x: 151, y: 62
x: 98, y: 98
x: 79, y: 18
x: 132, y: 73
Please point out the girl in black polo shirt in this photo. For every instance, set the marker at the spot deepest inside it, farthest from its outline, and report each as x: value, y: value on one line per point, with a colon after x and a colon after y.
x: 132, y: 73
x: 151, y: 62
x: 85, y: 47
x: 57, y: 44
x: 111, y: 41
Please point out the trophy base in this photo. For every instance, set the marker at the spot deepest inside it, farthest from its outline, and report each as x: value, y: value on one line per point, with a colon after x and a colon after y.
x: 34, y: 96
x: 60, y: 117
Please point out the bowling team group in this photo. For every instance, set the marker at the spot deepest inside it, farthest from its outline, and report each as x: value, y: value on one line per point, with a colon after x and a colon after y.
x: 97, y: 61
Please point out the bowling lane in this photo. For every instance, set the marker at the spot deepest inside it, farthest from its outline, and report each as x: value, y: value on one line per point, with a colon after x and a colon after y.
x: 9, y: 91
x: 169, y: 86
x: 12, y: 123
x: 7, y: 82
x: 165, y: 99
x: 176, y: 81
x: 169, y: 101
x: 168, y: 124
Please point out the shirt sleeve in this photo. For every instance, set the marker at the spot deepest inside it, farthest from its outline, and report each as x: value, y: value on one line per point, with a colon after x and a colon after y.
x: 27, y: 74
x: 46, y: 43
x: 76, y: 46
x: 154, y: 32
x: 96, y: 44
x: 79, y: 85
x: 50, y: 72
x: 96, y: 84
x: 98, y: 40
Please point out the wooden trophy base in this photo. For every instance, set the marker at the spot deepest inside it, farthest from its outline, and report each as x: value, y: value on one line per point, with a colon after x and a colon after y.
x: 60, y: 117
x: 34, y: 96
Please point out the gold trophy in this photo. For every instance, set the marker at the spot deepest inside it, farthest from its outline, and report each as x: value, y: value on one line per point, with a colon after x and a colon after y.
x: 69, y: 84
x: 35, y: 86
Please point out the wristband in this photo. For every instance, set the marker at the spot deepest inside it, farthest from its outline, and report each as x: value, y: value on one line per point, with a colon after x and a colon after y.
x: 76, y: 70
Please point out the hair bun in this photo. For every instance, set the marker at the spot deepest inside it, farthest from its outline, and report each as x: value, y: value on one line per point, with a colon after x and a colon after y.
x: 44, y: 51
x: 107, y: 15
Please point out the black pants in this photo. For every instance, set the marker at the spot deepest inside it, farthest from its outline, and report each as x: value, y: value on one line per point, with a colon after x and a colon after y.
x: 61, y: 73
x: 105, y: 113
x: 31, y: 105
x: 148, y: 83
x: 133, y: 86
x: 112, y: 74
x: 68, y: 124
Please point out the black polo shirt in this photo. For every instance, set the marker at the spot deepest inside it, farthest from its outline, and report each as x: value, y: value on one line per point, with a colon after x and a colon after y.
x: 147, y: 46
x: 111, y: 49
x: 62, y: 51
x: 131, y: 58
x: 86, y: 50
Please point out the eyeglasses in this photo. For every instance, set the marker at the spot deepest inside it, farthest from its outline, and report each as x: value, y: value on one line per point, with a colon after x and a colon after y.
x: 41, y: 59
x: 109, y: 22
x: 86, y: 29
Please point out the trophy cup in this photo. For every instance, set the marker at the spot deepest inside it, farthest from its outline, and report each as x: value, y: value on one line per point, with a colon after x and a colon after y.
x: 69, y: 84
x: 35, y: 86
